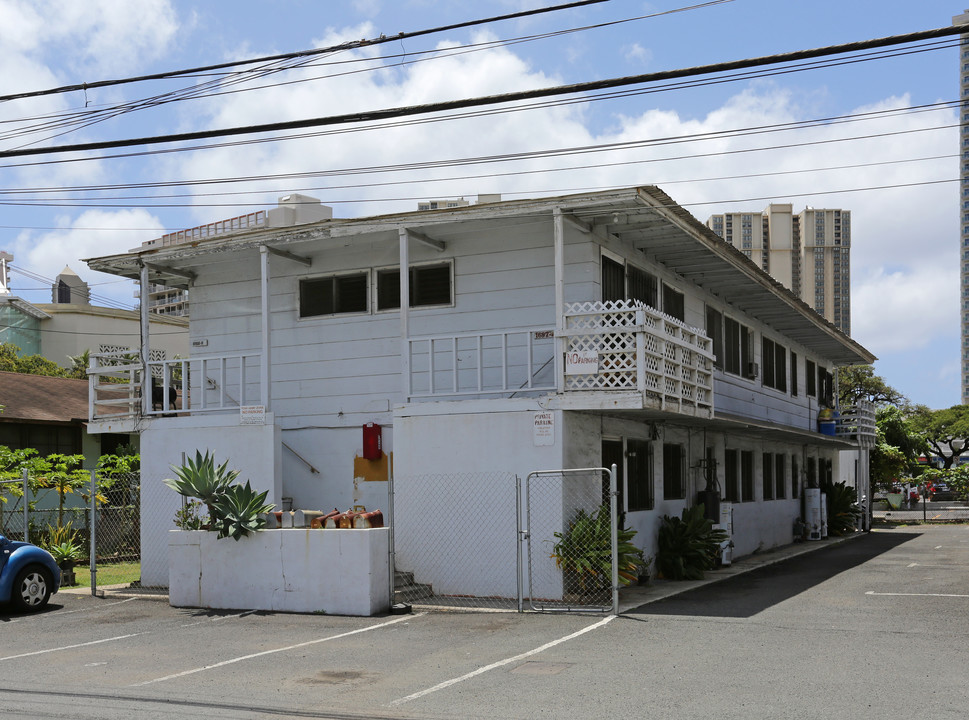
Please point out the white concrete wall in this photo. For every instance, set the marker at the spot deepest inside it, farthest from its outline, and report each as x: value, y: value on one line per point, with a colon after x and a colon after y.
x: 456, y: 469
x: 251, y: 449
x: 337, y: 572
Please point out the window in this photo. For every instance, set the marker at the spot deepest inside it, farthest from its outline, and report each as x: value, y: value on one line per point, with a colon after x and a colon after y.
x: 673, y: 486
x: 746, y: 475
x: 730, y: 477
x: 673, y: 304
x: 613, y: 280
x: 793, y: 373
x: 715, y: 333
x: 811, y: 377
x: 429, y: 285
x: 795, y: 478
x: 736, y: 347
x: 333, y: 295
x: 825, y: 386
x: 767, y: 479
x: 812, y: 476
x: 642, y: 285
x: 639, y: 467
x: 780, y: 481
x: 774, y: 360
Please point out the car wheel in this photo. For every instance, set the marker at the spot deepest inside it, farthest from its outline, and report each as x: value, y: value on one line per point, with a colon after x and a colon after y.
x: 32, y: 588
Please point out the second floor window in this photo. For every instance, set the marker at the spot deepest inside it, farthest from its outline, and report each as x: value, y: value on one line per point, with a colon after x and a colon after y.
x: 736, y: 347
x: 333, y: 295
x: 429, y: 285
x: 774, y: 360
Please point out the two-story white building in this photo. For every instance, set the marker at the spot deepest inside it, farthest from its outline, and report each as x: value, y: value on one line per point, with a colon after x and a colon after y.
x: 565, y: 332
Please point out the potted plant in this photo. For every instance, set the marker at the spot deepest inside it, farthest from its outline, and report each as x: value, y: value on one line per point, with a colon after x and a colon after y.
x: 233, y: 510
x: 63, y: 543
x: 584, y: 554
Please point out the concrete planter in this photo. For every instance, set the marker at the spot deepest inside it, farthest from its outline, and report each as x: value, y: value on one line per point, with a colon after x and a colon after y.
x: 338, y: 572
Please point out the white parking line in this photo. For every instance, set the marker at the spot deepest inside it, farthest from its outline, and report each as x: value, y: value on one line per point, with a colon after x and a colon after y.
x: 277, y: 650
x: 871, y: 592
x: 71, y: 647
x: 500, y: 663
x: 54, y: 614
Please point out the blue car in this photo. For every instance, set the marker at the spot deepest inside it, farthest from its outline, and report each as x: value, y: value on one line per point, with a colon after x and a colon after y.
x: 28, y: 575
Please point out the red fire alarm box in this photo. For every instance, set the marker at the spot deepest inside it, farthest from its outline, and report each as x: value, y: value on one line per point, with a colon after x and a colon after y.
x: 372, y: 445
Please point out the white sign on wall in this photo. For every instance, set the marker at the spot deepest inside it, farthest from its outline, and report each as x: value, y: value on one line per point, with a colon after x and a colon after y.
x: 543, y: 429
x: 582, y: 362
x: 252, y: 415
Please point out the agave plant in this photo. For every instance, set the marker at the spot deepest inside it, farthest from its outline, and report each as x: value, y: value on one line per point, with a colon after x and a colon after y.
x: 584, y: 551
x: 202, y: 479
x: 236, y: 511
x: 688, y: 545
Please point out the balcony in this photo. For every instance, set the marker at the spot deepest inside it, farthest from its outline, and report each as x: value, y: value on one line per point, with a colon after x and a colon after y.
x: 857, y: 423
x: 214, y: 384
x: 610, y: 349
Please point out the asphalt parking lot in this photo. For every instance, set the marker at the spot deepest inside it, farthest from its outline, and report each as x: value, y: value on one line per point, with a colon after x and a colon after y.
x: 873, y: 627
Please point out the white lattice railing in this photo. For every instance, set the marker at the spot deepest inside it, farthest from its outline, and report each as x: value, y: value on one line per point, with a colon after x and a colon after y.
x: 635, y: 347
x: 858, y: 423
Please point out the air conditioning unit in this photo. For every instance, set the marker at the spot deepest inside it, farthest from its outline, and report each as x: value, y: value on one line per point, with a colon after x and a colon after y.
x: 753, y: 371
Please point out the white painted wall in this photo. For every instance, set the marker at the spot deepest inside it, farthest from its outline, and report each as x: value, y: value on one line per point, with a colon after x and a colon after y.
x: 251, y: 449
x: 337, y: 572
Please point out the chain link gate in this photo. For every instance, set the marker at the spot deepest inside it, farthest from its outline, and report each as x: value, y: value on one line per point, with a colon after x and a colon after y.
x: 570, y: 541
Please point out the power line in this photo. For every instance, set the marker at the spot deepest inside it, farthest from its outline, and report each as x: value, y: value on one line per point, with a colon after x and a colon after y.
x: 389, y: 113
x: 826, y: 122
x: 350, y: 45
x: 214, y: 88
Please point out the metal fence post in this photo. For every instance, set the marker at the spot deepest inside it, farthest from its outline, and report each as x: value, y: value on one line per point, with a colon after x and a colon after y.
x: 390, y: 525
x: 26, y: 509
x: 94, y: 534
x: 614, y: 513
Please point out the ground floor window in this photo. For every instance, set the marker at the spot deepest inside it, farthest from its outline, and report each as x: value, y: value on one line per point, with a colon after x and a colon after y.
x: 673, y: 485
x: 780, y: 479
x: 747, y: 475
x: 639, y: 474
x: 767, y: 478
x: 731, y: 479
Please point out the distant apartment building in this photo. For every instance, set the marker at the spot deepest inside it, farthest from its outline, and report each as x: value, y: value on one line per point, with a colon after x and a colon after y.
x: 292, y: 209
x: 964, y: 203
x: 809, y: 253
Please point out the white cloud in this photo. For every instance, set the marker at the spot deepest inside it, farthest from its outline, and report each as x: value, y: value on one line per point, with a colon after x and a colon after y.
x: 906, y: 309
x: 636, y: 54
x: 94, y: 36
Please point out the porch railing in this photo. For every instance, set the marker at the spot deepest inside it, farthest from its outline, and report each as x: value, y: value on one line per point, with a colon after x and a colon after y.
x: 627, y: 345
x: 187, y: 385
x: 499, y: 363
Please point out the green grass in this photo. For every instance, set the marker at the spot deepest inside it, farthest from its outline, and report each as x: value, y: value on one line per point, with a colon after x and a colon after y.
x: 108, y: 574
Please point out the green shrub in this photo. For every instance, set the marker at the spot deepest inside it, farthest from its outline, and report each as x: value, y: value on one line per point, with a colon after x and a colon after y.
x: 688, y: 545
x: 584, y: 552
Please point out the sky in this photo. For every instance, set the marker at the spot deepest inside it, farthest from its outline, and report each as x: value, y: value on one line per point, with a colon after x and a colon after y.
x: 895, y: 168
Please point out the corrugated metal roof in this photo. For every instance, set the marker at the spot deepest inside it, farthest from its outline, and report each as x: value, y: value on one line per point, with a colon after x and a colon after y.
x: 645, y: 217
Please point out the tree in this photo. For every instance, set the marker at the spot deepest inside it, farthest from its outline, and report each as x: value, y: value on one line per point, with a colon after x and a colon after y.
x: 945, y: 431
x: 11, y: 361
x: 898, y: 446
x: 859, y: 382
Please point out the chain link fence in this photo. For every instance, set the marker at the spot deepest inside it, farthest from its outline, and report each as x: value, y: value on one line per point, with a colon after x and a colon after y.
x: 570, y: 525
x: 455, y: 540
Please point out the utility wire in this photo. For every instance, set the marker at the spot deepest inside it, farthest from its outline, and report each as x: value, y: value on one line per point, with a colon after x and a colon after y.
x: 826, y: 122
x: 351, y: 45
x: 373, y: 115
